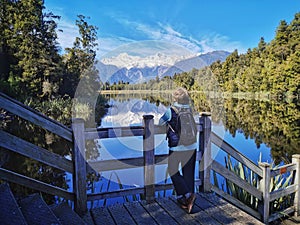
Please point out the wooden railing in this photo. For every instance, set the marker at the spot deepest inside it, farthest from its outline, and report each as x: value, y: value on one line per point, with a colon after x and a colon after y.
x: 27, y: 149
x: 148, y: 161
x: 79, y: 166
x: 262, y: 191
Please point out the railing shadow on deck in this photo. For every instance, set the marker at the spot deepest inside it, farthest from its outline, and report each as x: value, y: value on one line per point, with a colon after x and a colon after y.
x: 79, y: 167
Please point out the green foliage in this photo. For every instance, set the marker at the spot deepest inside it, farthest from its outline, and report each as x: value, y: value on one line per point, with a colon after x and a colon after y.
x: 28, y: 43
x: 271, y: 67
x: 33, y: 71
x: 80, y: 59
x: 276, y: 183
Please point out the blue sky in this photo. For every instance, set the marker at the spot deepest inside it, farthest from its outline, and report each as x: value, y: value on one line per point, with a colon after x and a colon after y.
x: 197, y: 25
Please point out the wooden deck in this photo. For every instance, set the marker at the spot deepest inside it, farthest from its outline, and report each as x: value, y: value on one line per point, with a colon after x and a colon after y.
x: 208, y: 209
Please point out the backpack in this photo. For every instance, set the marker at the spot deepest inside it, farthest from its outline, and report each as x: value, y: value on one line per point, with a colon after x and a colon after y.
x: 185, y: 128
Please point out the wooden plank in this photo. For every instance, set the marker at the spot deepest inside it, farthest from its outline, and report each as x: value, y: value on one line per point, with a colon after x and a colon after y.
x: 236, y: 154
x: 200, y: 216
x: 149, y: 157
x: 113, y: 132
x: 126, y: 163
x: 116, y: 164
x: 278, y: 215
x: 214, y: 211
x: 283, y: 169
x: 265, y: 188
x: 205, y: 150
x: 158, y: 213
x: 28, y: 149
x: 112, y: 194
x: 35, y: 117
x: 293, y: 220
x: 92, y: 135
x: 34, y: 184
x: 296, y: 160
x: 235, y: 212
x: 129, y: 191
x: 88, y: 219
x: 283, y: 192
x: 9, y: 208
x: 102, y: 216
x: 79, y: 174
x: 36, y: 211
x: 120, y: 214
x: 66, y: 214
x: 139, y: 214
x: 236, y: 179
x: 174, y: 210
x: 236, y: 202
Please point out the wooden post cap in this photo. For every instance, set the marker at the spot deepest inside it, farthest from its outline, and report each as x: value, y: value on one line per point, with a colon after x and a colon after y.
x: 205, y: 113
x: 264, y: 164
x: 296, y: 156
x: 148, y: 117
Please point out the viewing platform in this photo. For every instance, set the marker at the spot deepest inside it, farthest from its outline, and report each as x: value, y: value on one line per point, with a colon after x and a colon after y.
x: 209, y: 207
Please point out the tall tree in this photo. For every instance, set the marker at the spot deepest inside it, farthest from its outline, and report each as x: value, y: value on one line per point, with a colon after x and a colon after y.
x: 81, y: 57
x: 29, y: 42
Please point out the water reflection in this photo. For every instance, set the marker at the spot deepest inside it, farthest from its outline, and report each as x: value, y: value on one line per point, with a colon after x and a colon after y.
x: 262, y: 124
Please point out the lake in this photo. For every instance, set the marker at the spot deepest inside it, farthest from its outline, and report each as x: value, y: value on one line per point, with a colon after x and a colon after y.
x: 265, y: 130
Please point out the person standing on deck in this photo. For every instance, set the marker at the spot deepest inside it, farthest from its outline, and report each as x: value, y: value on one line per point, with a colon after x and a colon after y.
x: 182, y: 151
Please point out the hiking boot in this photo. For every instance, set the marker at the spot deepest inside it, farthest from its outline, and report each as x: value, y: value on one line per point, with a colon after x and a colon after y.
x: 190, y: 202
x: 182, y: 202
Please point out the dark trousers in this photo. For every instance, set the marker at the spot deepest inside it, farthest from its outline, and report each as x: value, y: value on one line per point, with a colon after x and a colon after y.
x: 183, y: 182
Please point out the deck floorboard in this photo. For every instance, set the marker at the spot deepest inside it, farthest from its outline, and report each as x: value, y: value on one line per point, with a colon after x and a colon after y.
x: 209, y: 209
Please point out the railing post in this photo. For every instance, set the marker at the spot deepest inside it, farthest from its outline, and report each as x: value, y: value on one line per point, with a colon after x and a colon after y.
x: 149, y: 158
x: 296, y: 160
x: 205, y: 150
x: 265, y: 188
x: 79, y: 174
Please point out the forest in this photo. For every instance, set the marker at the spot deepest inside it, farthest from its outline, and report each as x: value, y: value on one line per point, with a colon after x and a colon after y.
x: 36, y: 71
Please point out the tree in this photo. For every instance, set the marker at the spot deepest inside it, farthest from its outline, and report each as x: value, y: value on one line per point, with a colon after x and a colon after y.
x: 262, y: 45
x: 81, y: 57
x: 28, y: 40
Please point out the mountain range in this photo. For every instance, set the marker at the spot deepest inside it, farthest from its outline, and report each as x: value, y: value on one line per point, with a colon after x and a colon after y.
x: 135, y: 69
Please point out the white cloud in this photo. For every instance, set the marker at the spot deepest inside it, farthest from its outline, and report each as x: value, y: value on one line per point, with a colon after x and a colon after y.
x: 215, y: 41
x: 165, y: 32
x: 158, y: 32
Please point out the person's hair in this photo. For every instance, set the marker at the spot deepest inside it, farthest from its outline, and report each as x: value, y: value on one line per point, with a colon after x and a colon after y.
x: 181, y: 96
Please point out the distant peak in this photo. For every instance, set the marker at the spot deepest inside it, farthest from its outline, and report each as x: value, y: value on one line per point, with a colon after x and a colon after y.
x: 128, y: 61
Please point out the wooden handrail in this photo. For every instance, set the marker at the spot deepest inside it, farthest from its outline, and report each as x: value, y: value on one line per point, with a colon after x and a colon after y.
x: 35, y: 184
x: 32, y: 151
x: 235, y: 154
x: 37, y: 118
x: 217, y: 167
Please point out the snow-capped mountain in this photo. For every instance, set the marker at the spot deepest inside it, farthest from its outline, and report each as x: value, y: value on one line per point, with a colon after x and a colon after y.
x: 124, y: 60
x: 136, y: 69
